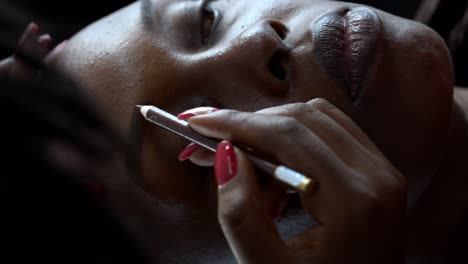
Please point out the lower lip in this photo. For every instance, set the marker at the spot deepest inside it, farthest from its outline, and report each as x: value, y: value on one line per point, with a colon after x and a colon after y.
x: 345, y: 44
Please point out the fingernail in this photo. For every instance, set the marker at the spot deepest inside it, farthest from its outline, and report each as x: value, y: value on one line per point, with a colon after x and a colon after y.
x: 33, y: 27
x: 188, y: 151
x: 225, y: 162
x: 44, y: 39
x: 196, y: 112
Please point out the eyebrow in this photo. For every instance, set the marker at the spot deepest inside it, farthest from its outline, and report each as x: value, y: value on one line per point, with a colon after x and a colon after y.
x: 147, y: 15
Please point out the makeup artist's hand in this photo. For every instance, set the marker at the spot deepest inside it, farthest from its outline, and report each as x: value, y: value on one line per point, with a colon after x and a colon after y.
x: 359, y: 202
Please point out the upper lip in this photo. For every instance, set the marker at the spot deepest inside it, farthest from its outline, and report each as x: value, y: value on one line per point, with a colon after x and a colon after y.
x: 345, y: 45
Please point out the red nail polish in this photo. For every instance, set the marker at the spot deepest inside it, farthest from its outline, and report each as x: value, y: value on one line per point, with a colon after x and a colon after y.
x: 188, y: 151
x: 44, y: 39
x: 225, y: 162
x: 184, y: 115
x: 33, y: 27
x: 196, y: 112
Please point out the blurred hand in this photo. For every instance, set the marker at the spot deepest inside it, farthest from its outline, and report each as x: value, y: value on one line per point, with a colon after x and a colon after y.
x: 31, y: 46
x: 69, y: 129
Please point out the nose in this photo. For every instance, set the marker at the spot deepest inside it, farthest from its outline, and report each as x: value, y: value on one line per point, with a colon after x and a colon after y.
x: 265, y: 54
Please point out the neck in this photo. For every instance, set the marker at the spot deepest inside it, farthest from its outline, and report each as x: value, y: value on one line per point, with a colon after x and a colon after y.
x: 440, y: 211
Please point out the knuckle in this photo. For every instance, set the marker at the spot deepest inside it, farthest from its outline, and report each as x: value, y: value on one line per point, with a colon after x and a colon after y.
x: 394, y: 184
x: 234, y: 212
x: 238, y: 117
x: 301, y: 108
x: 229, y: 113
x: 398, y: 184
x: 371, y: 204
x: 371, y: 198
x: 232, y: 219
x: 387, y: 197
x: 321, y: 104
x: 396, y: 193
x: 287, y: 126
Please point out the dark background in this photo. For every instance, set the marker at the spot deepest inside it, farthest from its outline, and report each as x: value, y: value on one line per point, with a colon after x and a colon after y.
x: 404, y: 8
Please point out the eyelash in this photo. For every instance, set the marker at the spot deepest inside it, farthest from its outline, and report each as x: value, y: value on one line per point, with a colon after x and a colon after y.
x: 209, y: 20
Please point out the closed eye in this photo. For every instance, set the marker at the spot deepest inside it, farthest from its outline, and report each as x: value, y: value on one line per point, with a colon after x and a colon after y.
x: 209, y: 20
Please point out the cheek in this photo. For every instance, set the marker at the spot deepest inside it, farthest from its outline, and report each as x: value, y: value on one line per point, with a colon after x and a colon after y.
x: 410, y: 117
x: 166, y: 178
x: 163, y: 76
x: 174, y: 88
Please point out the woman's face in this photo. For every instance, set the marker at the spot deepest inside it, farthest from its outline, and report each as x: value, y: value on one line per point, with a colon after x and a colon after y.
x: 390, y: 75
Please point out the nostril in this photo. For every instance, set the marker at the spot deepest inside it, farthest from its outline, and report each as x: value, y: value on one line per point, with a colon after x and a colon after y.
x: 279, y: 28
x: 276, y: 66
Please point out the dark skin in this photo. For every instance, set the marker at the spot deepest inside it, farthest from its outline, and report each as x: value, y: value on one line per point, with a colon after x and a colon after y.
x: 31, y: 43
x: 405, y: 106
x: 240, y: 212
x: 344, y: 162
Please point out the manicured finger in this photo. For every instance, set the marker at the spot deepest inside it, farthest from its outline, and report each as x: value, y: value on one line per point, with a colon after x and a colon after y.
x: 29, y: 38
x: 344, y: 121
x: 275, y: 136
x: 327, y: 129
x: 197, y: 155
x: 44, y: 40
x: 202, y: 157
x: 42, y: 49
x: 196, y: 112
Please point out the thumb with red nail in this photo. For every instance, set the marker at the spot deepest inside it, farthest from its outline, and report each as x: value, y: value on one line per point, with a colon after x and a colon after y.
x: 242, y: 213
x: 358, y: 203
